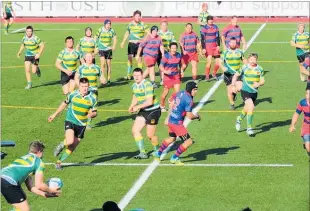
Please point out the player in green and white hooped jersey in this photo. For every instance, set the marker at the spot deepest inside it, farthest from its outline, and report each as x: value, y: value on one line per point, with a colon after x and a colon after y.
x: 34, y: 48
x: 202, y: 17
x: 29, y: 169
x: 87, y: 44
x: 252, y: 78
x: 8, y: 15
x: 82, y: 106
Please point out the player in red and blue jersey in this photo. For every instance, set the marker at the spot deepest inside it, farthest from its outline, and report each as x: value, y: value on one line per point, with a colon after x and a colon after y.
x: 210, y: 42
x: 151, y: 47
x: 304, y: 69
x: 303, y: 106
x: 170, y: 64
x: 233, y: 30
x: 190, y: 45
x: 181, y: 106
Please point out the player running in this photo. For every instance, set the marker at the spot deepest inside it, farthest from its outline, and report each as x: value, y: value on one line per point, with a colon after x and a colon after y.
x: 87, y: 44
x: 136, y: 31
x: 34, y: 48
x: 151, y: 46
x: 167, y: 38
x: 144, y: 102
x: 304, y: 69
x: 301, y: 41
x: 8, y: 15
x: 190, y: 45
x: 67, y: 63
x: 232, y: 58
x: 303, y: 106
x: 105, y: 36
x: 253, y: 78
x: 210, y: 41
x: 181, y: 106
x: 203, y: 15
x: 233, y: 30
x: 82, y: 106
x: 169, y: 66
x: 29, y: 169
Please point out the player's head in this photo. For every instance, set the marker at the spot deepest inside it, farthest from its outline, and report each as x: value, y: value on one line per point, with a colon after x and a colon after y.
x: 88, y: 31
x: 29, y: 31
x: 308, y: 91
x: 138, y: 75
x: 137, y: 16
x: 37, y: 147
x: 210, y: 20
x: 173, y: 47
x: 252, y: 58
x: 164, y: 25
x: 110, y: 206
x: 233, y: 43
x: 69, y: 41
x: 83, y: 86
x: 154, y: 30
x: 107, y: 24
x: 204, y: 7
x: 234, y: 20
x: 189, y: 27
x: 191, y: 88
x: 301, y: 27
x: 88, y: 58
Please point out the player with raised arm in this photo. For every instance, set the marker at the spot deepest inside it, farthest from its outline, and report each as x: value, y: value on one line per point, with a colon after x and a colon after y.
x: 301, y: 41
x: 252, y: 78
x: 181, y: 106
x: 29, y: 169
x: 303, y: 106
x: 136, y: 31
x: 34, y: 48
x: 67, y: 63
x: 233, y: 30
x: 82, y: 106
x: 87, y: 44
x: 170, y: 67
x: 144, y: 102
x: 151, y: 46
x: 105, y: 36
x: 8, y: 15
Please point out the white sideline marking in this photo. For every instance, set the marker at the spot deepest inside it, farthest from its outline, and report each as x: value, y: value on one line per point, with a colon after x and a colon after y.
x: 270, y: 42
x: 149, y: 170
x: 172, y: 165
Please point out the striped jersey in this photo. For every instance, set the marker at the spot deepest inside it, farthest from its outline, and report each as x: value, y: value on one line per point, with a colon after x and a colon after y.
x: 87, y: 45
x: 209, y: 36
x: 182, y: 103
x: 18, y: 171
x: 232, y: 60
x: 136, y: 30
x: 32, y: 45
x: 8, y: 8
x: 171, y: 62
x: 301, y: 39
x: 306, y: 65
x: 232, y: 31
x: 151, y: 46
x: 92, y: 73
x: 202, y: 17
x: 69, y: 59
x: 105, y: 38
x: 304, y: 106
x: 167, y: 38
x: 249, y: 76
x: 143, y: 90
x: 79, y: 107
x: 189, y: 41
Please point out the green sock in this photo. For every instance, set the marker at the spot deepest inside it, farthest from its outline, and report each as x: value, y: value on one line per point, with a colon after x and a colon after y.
x: 129, y: 68
x: 65, y: 155
x: 140, y: 143
x: 140, y: 64
x: 250, y: 119
x: 241, y: 116
x: 29, y: 83
x: 8, y: 26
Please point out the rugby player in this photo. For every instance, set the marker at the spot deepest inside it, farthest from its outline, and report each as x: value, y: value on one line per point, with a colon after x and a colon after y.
x: 304, y: 69
x: 87, y: 44
x: 8, y: 15
x: 233, y: 30
x: 203, y: 15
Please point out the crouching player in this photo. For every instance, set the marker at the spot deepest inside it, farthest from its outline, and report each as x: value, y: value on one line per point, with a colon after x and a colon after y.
x: 181, y: 106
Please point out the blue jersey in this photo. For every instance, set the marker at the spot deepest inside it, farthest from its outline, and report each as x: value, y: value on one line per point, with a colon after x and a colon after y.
x: 183, y: 102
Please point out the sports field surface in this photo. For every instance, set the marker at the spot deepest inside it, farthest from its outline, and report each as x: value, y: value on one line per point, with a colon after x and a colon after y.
x: 224, y: 169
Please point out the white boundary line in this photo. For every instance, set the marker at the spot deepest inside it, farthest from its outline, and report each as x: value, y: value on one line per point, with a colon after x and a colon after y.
x: 149, y: 170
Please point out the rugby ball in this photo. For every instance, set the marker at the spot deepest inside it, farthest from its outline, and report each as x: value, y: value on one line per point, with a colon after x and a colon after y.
x: 55, y: 182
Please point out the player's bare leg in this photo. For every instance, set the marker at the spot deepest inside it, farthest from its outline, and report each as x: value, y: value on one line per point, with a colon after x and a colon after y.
x: 23, y: 206
x: 28, y: 74
x: 216, y: 68
x: 150, y: 132
x: 65, y: 89
x: 208, y: 68
x: 137, y: 127
x: 71, y: 85
x: 194, y: 70
x: 109, y: 67
x: 177, y: 87
x: 230, y: 95
x: 102, y: 64
x: 303, y: 77
x: 146, y: 73
x: 163, y: 99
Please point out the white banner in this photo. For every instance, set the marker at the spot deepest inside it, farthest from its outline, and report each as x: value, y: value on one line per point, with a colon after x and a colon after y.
x: 155, y: 9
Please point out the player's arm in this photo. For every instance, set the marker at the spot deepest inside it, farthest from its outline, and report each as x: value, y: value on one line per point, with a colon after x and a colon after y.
x: 295, y: 118
x: 41, y: 48
x: 93, y: 111
x: 125, y: 38
x: 261, y: 81
x: 234, y: 79
x: 293, y: 44
x: 223, y: 37
x: 203, y: 44
x: 243, y: 42
x: 141, y: 46
x: 134, y: 102
x: 303, y: 69
x: 33, y: 189
x: 114, y: 43
x: 61, y: 107
x: 41, y: 186
x: 189, y: 111
x: 61, y: 68
x: 13, y: 12
x: 181, y: 42
x: 21, y: 48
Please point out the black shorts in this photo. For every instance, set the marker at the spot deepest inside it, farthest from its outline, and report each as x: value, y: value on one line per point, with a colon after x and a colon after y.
x: 133, y: 49
x: 78, y: 130
x: 13, y: 194
x: 151, y: 117
x: 302, y: 58
x: 247, y: 95
x: 32, y: 59
x: 64, y: 78
x: 106, y: 54
x: 228, y: 78
x: 159, y: 57
x: 8, y: 16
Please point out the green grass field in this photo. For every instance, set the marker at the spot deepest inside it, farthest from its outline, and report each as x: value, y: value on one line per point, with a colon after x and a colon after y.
x: 188, y: 188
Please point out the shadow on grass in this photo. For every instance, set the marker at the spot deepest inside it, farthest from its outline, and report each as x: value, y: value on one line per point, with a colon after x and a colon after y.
x: 258, y: 101
x: 114, y: 120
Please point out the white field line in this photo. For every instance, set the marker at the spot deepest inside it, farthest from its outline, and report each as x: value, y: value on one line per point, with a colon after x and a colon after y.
x: 271, y: 42
x: 149, y: 170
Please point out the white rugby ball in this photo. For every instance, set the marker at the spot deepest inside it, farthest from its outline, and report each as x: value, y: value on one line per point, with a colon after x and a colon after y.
x: 55, y: 182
